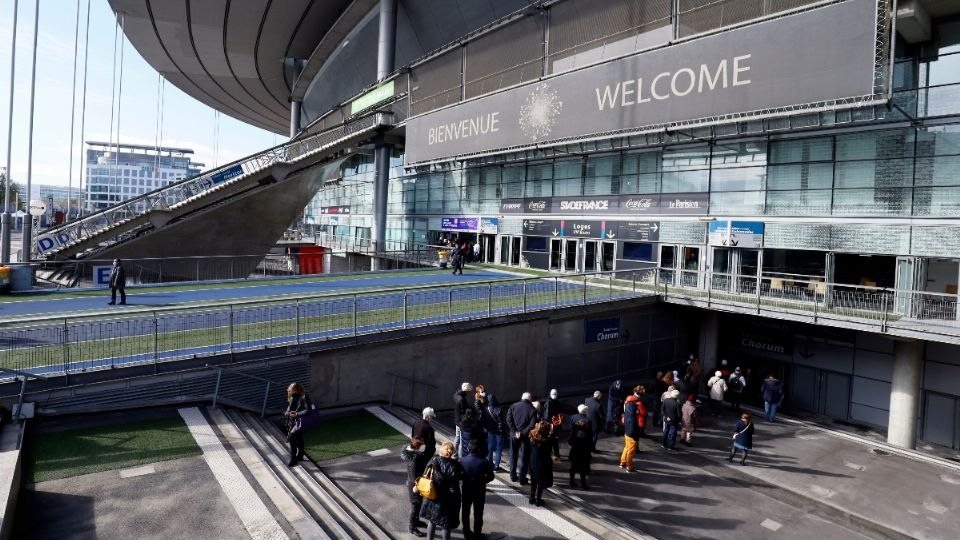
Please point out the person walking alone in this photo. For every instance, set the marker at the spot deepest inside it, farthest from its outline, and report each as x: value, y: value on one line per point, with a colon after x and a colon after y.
x: 634, y: 420
x: 298, y: 404
x: 477, y: 473
x: 596, y: 416
x: 416, y: 460
x: 772, y: 390
x: 460, y: 406
x: 742, y: 438
x: 118, y: 282
x: 456, y: 260
x: 581, y: 446
x: 672, y: 415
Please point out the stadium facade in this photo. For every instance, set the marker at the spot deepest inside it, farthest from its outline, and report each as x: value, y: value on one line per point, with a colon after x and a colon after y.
x: 804, y: 148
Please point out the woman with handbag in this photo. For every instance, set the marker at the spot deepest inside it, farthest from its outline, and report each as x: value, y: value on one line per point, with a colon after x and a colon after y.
x: 298, y: 406
x: 443, y: 511
x: 742, y: 437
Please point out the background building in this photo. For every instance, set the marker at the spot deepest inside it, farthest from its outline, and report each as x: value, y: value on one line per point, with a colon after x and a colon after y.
x: 807, y: 147
x: 116, y: 173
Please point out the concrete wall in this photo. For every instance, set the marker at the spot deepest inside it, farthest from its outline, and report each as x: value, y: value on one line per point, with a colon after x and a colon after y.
x: 508, y: 359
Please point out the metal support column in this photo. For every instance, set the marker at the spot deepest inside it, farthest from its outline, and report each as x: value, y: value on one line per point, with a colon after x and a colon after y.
x: 27, y: 237
x: 294, y: 118
x: 386, y: 50
x: 5, y: 214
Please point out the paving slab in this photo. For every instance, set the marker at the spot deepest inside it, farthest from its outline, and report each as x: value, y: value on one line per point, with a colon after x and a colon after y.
x: 181, y: 499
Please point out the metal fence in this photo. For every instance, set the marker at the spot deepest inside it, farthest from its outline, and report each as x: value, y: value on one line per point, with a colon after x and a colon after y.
x: 57, y: 345
x: 147, y: 271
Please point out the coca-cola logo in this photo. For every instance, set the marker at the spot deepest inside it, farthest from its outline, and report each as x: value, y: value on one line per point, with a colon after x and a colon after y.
x: 638, y: 204
x: 537, y: 206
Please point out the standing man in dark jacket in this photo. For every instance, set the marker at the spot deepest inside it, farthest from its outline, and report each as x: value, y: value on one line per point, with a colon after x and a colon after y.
x: 424, y: 431
x: 416, y: 459
x: 553, y: 413
x: 460, y: 406
x: 772, y: 390
x: 596, y: 415
x: 477, y: 473
x: 672, y: 414
x: 118, y: 282
x: 614, y: 405
x: 521, y: 418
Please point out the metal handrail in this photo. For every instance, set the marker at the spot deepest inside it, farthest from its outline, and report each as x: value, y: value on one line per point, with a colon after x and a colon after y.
x: 319, y: 296
x: 266, y: 393
x: 23, y: 387
x: 194, y: 186
x: 397, y: 376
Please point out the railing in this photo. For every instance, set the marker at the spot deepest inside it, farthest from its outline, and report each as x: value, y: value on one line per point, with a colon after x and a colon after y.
x: 175, y: 194
x: 228, y: 372
x: 22, y: 376
x: 147, y: 271
x: 887, y: 310
x: 64, y: 345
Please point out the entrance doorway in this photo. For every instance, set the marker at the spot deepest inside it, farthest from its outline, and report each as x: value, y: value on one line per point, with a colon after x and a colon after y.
x: 941, y: 419
x: 598, y: 255
x: 570, y: 252
x: 488, y: 244
x: 820, y: 392
x: 509, y: 250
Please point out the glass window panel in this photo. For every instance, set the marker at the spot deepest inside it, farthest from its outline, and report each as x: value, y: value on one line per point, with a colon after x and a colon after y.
x: 686, y: 158
x: 938, y: 140
x: 883, y: 173
x: 737, y: 202
x: 936, y: 201
x: 567, y: 186
x: 738, y: 179
x: 793, y: 151
x: 685, y: 181
x: 641, y: 162
x: 800, y: 176
x: 871, y: 202
x: 872, y: 145
x: 944, y: 70
x: 568, y: 168
x: 799, y: 203
x: 939, y: 171
x: 512, y: 179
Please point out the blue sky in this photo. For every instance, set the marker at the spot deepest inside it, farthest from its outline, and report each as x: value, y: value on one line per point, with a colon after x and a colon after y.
x: 186, y: 122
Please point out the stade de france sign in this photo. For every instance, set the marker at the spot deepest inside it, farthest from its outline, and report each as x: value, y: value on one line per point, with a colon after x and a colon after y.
x: 821, y: 55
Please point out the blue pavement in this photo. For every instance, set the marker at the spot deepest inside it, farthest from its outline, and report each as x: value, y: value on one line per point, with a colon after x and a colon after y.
x: 34, y: 304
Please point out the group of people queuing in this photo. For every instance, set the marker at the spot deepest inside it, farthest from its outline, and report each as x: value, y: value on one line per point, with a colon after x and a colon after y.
x: 530, y: 429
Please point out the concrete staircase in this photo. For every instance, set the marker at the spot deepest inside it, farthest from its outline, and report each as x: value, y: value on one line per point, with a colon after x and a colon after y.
x: 313, y: 505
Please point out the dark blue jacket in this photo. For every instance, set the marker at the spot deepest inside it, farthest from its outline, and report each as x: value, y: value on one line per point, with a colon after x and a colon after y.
x: 521, y: 418
x: 477, y: 473
x: 772, y: 390
x: 744, y: 434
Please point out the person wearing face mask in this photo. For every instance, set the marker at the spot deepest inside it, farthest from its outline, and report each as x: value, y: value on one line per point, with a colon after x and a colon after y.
x: 415, y: 457
x: 480, y: 399
x: 553, y: 413
x: 118, y: 282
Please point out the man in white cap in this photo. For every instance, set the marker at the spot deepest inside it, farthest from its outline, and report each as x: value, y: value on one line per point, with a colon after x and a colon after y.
x: 717, y: 387
x: 553, y: 413
x: 460, y: 406
x: 596, y: 414
x: 672, y: 414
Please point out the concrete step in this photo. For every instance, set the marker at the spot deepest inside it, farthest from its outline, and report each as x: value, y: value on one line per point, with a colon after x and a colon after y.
x: 296, y: 483
x: 337, y: 500
x: 270, y: 482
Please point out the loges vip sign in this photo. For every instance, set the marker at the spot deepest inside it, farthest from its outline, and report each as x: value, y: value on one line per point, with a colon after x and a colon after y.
x: 679, y: 83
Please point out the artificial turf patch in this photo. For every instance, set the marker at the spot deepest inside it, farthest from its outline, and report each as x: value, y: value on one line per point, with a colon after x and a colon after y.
x: 349, y: 435
x: 74, y: 452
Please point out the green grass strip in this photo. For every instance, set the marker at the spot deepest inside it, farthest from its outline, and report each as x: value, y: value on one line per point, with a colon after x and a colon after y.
x: 64, y: 454
x: 349, y: 435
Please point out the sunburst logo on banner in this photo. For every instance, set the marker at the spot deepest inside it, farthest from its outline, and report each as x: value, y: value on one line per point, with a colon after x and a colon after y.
x: 539, y: 114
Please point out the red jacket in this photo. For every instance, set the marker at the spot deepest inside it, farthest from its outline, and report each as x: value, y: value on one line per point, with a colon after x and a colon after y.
x: 641, y: 410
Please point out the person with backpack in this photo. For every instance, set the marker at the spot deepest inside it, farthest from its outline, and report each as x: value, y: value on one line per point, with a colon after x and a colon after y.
x: 718, y: 387
x: 581, y: 444
x: 672, y: 414
x: 494, y: 420
x: 736, y: 384
x: 634, y: 420
x: 772, y: 390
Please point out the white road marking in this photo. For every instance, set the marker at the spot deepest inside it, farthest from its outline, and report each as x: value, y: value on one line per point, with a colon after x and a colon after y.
x: 255, y: 516
x: 648, y: 504
x: 950, y: 479
x: 379, y: 452
x: 512, y: 496
x: 771, y: 524
x: 137, y: 471
x: 854, y: 466
x: 822, y: 492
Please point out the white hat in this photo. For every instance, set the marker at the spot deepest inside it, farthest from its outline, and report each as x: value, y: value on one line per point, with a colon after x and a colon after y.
x: 466, y: 387
x: 554, y: 393
x: 718, y: 374
x: 597, y: 394
x: 582, y: 409
x: 428, y: 413
x: 675, y: 394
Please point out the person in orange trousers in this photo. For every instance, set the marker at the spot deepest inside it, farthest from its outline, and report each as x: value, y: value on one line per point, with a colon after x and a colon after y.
x: 634, y: 420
